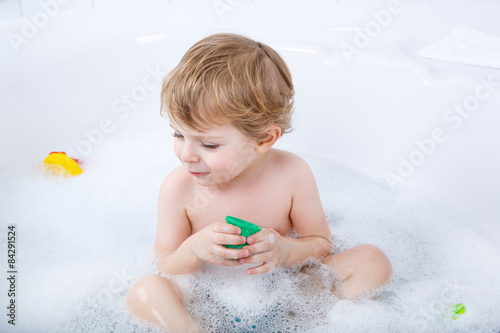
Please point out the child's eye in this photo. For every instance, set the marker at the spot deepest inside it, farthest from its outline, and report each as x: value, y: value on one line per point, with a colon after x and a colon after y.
x: 178, y: 135
x: 209, y: 146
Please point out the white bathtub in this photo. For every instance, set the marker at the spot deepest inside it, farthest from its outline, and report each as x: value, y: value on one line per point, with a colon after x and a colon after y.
x: 80, y: 75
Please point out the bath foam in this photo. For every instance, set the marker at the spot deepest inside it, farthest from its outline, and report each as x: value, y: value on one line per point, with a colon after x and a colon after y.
x: 78, y: 232
x: 228, y: 300
x: 438, y: 260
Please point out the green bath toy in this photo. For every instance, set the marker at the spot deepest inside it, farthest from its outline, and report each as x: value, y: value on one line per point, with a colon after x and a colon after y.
x: 458, y: 310
x: 246, y: 227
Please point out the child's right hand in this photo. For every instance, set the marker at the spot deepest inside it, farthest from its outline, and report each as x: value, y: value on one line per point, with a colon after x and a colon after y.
x: 209, y: 245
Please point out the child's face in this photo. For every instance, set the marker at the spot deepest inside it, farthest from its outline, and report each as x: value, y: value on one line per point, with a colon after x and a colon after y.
x: 215, y: 156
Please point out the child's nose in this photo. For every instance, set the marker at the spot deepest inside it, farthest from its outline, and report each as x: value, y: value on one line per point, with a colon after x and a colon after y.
x: 189, y: 154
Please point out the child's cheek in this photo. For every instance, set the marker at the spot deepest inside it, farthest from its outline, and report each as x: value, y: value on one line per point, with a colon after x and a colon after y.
x: 177, y: 150
x: 219, y: 162
x: 223, y: 165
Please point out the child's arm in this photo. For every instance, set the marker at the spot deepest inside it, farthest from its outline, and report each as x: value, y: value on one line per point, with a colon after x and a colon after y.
x: 309, y: 222
x: 180, y: 252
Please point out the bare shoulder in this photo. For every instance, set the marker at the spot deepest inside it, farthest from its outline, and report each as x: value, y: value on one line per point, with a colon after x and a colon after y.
x: 176, y: 183
x: 291, y: 165
x: 175, y: 192
x: 288, y: 158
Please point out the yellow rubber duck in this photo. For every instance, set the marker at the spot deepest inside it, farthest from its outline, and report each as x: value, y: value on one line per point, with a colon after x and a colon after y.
x: 60, y: 164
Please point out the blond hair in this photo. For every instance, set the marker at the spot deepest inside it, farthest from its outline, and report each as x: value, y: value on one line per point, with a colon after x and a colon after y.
x: 228, y: 78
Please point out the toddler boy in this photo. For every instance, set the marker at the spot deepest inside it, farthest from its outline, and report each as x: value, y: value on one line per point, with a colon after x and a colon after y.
x: 229, y: 100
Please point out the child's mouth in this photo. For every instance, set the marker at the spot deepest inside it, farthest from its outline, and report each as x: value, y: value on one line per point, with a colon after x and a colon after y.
x: 198, y: 174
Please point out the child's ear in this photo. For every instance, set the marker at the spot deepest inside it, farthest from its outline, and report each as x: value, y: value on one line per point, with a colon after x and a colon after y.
x: 272, y: 134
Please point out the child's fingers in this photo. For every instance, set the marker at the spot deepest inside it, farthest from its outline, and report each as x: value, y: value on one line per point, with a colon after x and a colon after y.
x: 210, y: 248
x: 225, y: 258
x: 264, y: 249
x: 265, y: 235
x: 226, y: 228
x: 256, y: 258
x: 228, y: 239
x: 257, y: 237
x: 259, y: 247
x: 223, y: 252
x: 263, y: 241
x: 261, y: 269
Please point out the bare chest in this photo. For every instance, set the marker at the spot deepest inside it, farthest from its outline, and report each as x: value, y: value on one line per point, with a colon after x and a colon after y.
x: 265, y: 206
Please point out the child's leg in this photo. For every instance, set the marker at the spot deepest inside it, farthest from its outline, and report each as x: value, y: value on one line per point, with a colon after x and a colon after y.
x: 159, y: 301
x: 360, y: 269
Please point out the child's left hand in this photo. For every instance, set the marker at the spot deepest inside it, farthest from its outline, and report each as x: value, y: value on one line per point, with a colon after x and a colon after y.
x: 268, y: 247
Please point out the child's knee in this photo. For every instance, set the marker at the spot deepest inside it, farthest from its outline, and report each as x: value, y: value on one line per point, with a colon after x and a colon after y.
x: 377, y: 262
x: 367, y: 260
x: 138, y: 293
x: 147, y: 288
